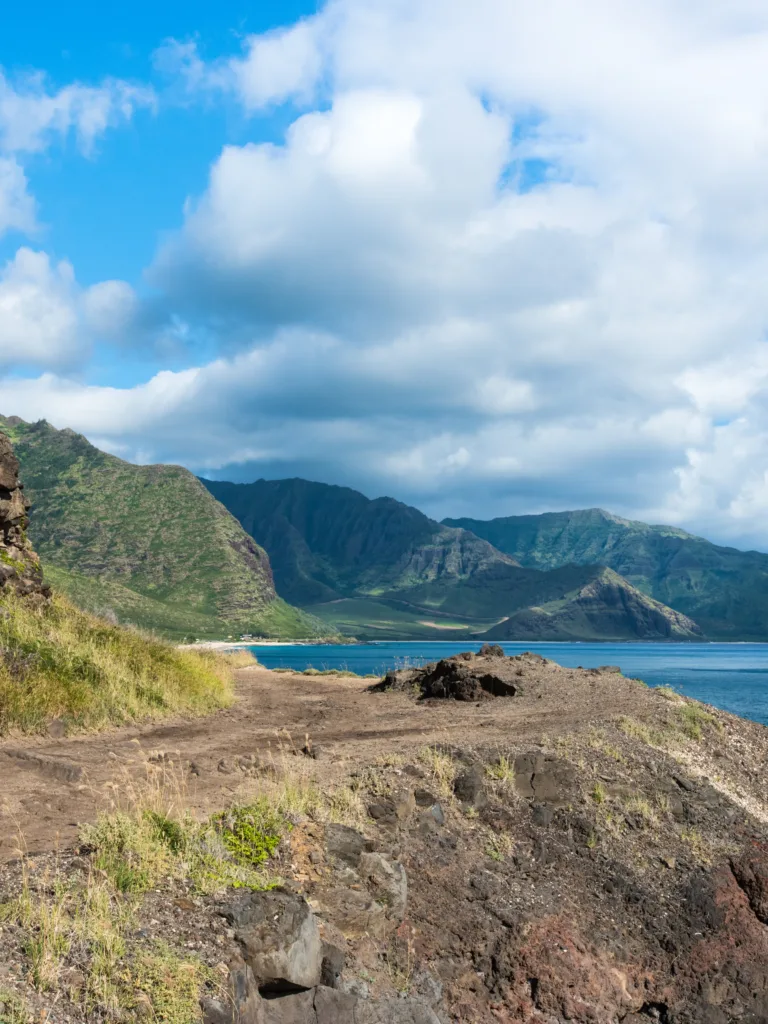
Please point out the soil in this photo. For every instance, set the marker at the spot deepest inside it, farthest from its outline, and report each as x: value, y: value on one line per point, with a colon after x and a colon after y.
x: 585, y: 850
x: 51, y: 785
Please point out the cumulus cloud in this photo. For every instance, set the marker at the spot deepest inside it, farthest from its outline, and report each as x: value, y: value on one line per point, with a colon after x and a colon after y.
x: 508, y: 257
x: 47, y: 320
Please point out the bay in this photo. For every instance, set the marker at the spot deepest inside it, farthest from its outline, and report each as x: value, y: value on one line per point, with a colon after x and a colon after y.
x: 730, y: 676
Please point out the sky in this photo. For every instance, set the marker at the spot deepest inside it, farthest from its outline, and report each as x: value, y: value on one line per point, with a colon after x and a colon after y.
x: 491, y: 258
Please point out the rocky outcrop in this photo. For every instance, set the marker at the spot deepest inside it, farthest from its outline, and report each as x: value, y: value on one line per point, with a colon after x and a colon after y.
x: 289, y: 973
x: 465, y: 676
x: 19, y: 565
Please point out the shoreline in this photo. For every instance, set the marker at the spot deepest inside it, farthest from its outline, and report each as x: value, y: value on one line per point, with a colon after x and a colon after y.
x: 222, y: 645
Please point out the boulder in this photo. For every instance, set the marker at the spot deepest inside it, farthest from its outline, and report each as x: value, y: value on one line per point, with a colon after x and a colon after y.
x: 469, y: 787
x: 751, y: 872
x: 279, y: 938
x: 294, y: 1008
x: 334, y: 959
x: 345, y: 845
x: 241, y: 1005
x: 388, y: 882
x: 327, y: 1006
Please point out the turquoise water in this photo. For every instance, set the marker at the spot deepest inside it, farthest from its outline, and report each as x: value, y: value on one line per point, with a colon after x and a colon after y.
x: 730, y: 676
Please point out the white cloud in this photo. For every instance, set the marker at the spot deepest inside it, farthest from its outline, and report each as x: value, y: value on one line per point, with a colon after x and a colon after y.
x: 47, y: 320
x: 279, y: 66
x: 17, y: 208
x: 31, y: 114
x: 509, y: 257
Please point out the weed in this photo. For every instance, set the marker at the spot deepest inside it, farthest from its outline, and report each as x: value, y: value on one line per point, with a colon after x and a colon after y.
x: 503, y: 769
x: 401, y: 958
x: 692, y: 720
x: 591, y: 841
x: 642, y: 808
x: 239, y: 657
x: 440, y: 766
x: 669, y: 694
x: 251, y: 834
x: 695, y: 841
x: 13, y: 1010
x: 599, y: 794
x: 171, y: 985
x: 642, y: 731
x: 345, y: 806
x: 499, y: 847
x: 662, y: 801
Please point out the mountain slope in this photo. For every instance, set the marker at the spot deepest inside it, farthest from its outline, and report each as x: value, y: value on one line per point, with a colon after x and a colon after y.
x: 604, y: 606
x: 147, y: 542
x: 570, y: 603
x: 327, y: 542
x: 378, y: 568
x: 723, y: 589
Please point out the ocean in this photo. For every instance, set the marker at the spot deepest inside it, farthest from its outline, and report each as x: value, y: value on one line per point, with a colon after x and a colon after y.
x: 730, y: 676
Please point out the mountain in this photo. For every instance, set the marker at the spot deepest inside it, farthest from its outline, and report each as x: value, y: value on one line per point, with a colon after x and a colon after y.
x: 147, y: 543
x: 327, y: 542
x: 379, y: 568
x: 600, y: 605
x: 724, y: 590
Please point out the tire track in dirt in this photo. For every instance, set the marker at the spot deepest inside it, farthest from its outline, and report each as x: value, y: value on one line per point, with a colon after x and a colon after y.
x: 48, y: 786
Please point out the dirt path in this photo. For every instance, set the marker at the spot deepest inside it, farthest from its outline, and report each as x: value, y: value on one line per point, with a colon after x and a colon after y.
x: 48, y: 786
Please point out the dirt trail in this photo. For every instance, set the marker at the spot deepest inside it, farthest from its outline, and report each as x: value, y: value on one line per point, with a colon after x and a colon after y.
x: 48, y: 786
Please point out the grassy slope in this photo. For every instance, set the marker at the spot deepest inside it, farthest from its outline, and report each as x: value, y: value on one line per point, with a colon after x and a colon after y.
x: 370, y: 619
x: 60, y: 662
x: 146, y: 542
x: 326, y: 542
x: 723, y: 589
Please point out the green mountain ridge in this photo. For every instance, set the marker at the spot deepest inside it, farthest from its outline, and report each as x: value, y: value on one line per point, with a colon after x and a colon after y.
x: 327, y: 542
x: 376, y: 568
x: 147, y: 543
x: 721, y: 588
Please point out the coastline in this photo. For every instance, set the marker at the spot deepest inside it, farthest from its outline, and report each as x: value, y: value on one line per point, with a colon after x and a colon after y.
x: 227, y: 645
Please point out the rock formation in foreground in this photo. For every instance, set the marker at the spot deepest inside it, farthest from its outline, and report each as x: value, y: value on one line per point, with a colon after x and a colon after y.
x: 19, y: 565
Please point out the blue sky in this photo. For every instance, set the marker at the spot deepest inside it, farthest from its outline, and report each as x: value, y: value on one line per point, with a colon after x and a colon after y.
x: 498, y: 259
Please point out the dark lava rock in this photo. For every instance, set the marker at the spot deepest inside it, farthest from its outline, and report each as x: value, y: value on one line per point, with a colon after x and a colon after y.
x: 280, y: 939
x: 345, y: 844
x: 751, y: 872
x: 542, y: 814
x: 333, y: 964
x: 19, y: 565
x: 242, y: 1004
x: 465, y: 677
x: 491, y: 651
x: 469, y: 787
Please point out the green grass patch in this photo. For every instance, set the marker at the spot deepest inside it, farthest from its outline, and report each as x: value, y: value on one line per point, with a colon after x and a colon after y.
x: 693, y: 720
x: 13, y: 1010
x: 251, y: 834
x: 171, y: 985
x: 59, y: 662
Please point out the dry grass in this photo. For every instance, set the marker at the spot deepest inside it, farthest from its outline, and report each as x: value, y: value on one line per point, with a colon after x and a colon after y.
x: 239, y: 657
x: 441, y: 768
x: 59, y: 662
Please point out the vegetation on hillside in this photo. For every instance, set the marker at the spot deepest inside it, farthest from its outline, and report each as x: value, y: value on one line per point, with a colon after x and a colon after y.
x: 328, y: 542
x: 147, y: 543
x: 58, y: 662
x: 379, y: 569
x: 724, y: 590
